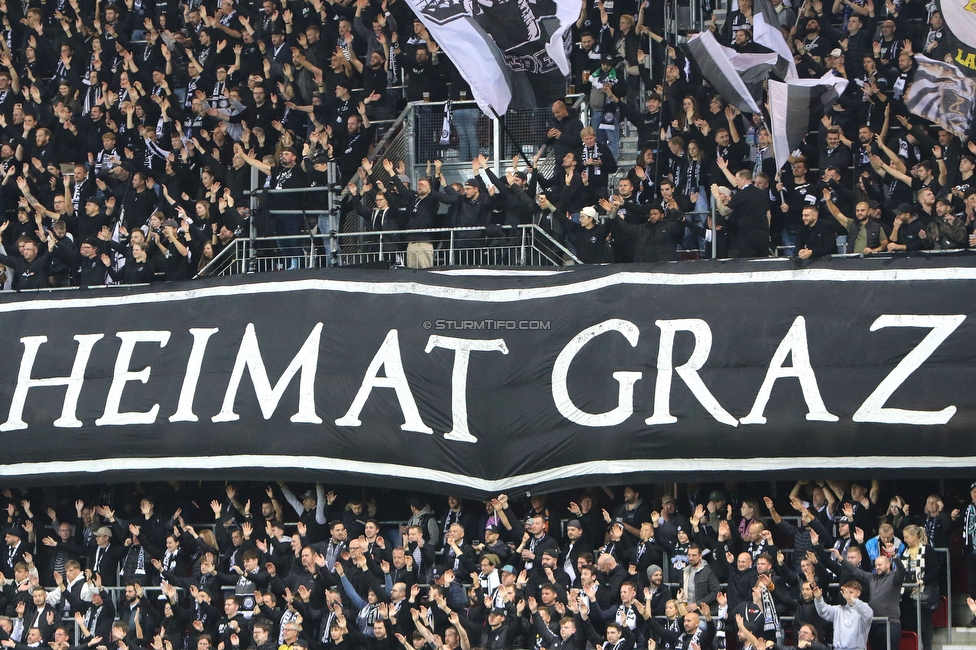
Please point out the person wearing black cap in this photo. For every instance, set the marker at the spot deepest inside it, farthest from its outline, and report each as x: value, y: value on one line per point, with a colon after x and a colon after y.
x: 92, y: 219
x: 494, y: 545
x: 473, y: 209
x: 947, y: 230
x: 421, y: 207
x: 288, y: 175
x: 310, y: 508
x: 909, y: 232
x: 15, y: 545
x: 500, y: 633
x: 84, y: 262
x: 571, y: 548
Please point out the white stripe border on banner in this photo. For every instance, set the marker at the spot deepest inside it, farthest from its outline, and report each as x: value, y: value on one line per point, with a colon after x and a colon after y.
x: 504, y: 295
x: 595, y: 467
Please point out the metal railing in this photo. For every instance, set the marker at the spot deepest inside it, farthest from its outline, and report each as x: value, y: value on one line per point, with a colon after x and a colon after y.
x: 524, y: 245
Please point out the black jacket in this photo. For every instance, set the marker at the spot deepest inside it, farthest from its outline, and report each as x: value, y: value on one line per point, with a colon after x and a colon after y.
x: 28, y: 275
x: 820, y: 238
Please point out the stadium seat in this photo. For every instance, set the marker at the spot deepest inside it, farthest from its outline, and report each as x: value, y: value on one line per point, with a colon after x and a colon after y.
x: 940, y: 617
x: 909, y: 641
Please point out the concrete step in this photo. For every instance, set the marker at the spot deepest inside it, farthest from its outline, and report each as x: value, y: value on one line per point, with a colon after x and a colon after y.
x: 962, y: 637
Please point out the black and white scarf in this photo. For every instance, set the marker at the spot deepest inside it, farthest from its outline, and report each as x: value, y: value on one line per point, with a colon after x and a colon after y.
x: 769, y: 612
x: 969, y: 529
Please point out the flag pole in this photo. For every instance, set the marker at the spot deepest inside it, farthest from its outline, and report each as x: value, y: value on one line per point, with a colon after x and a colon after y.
x: 518, y: 147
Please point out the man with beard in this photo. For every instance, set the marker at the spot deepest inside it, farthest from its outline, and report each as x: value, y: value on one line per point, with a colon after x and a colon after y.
x: 30, y: 270
x: 794, y: 195
x: 947, y: 231
x: 359, y: 137
x: 816, y: 238
x: 286, y: 175
x: 864, y: 234
x: 814, y: 44
x: 374, y: 84
x: 421, y: 210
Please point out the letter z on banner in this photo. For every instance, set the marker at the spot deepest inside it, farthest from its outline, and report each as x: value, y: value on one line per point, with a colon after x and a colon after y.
x: 512, y: 53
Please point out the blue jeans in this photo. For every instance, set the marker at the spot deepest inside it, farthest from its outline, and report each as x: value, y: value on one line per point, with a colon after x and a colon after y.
x: 789, y: 241
x: 609, y: 137
x: 287, y: 225
x: 327, y: 224
x: 466, y: 123
x: 692, y: 240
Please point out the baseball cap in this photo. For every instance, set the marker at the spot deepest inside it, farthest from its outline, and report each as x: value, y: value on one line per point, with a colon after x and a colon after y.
x: 836, y: 52
x: 903, y: 208
x: 16, y: 531
x: 716, y: 495
x: 508, y: 568
x: 590, y: 212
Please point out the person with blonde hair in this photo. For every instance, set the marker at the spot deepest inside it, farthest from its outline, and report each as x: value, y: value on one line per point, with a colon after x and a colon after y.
x: 922, y: 567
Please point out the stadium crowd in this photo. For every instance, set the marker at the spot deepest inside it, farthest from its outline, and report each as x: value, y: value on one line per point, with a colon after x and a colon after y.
x: 128, y: 131
x: 615, y: 569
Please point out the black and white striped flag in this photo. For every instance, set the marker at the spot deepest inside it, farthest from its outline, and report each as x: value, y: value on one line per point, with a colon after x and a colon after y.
x: 942, y: 94
x: 728, y: 71
x: 766, y: 32
x: 789, y: 109
x: 510, y: 53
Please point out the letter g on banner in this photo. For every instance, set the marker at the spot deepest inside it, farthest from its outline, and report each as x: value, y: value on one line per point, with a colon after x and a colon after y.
x: 625, y: 395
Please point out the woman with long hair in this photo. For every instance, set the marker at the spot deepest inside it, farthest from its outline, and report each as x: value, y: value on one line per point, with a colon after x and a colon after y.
x: 206, y: 257
x: 750, y: 513
x: 692, y: 183
x: 642, y: 176
x: 686, y: 123
x: 922, y: 567
x: 897, y: 515
x: 67, y: 96
x: 674, y: 612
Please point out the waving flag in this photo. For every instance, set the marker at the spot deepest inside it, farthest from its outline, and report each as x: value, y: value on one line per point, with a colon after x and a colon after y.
x: 940, y: 93
x: 789, y: 109
x: 512, y: 54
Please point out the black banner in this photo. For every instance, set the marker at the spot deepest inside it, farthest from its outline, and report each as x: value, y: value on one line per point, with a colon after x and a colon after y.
x: 486, y: 381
